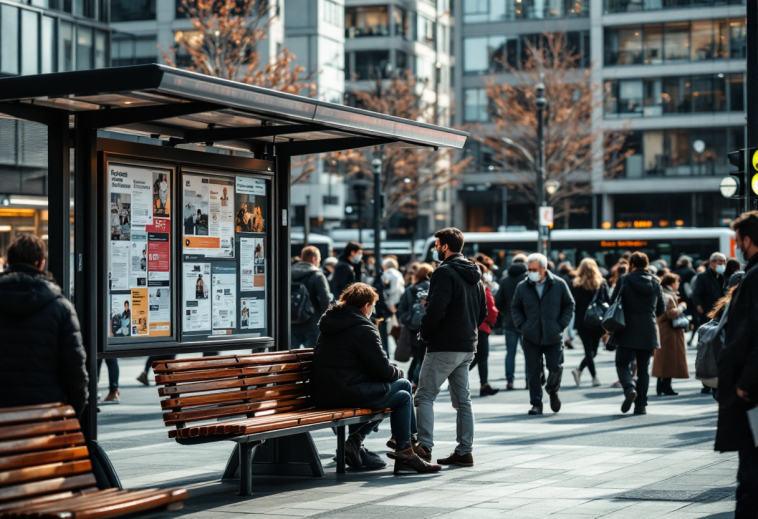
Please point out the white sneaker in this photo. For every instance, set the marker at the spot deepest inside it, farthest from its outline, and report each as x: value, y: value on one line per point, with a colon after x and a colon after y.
x: 577, y: 376
x: 596, y: 382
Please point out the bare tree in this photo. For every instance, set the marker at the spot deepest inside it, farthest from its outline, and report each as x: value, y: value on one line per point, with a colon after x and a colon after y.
x: 571, y: 143
x: 407, y: 173
x: 224, y: 43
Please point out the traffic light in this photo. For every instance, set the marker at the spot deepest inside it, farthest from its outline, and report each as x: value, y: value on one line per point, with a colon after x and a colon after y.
x: 732, y: 186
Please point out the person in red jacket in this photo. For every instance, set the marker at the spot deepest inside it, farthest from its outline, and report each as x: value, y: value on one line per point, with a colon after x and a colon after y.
x: 483, y: 344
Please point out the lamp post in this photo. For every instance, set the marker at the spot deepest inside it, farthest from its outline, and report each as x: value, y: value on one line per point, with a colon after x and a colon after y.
x: 541, y: 103
x: 376, y: 164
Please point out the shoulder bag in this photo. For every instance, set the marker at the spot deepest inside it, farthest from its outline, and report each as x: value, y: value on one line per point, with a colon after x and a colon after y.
x: 613, y: 320
x: 593, y: 317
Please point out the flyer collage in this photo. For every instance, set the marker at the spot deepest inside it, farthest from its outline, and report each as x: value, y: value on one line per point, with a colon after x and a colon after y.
x: 139, y: 280
x: 224, y: 265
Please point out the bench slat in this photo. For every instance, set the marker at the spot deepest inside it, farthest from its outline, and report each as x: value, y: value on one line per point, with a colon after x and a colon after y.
x: 265, y: 393
x: 219, y: 374
x: 25, y: 503
x: 95, y: 500
x: 51, y: 470
x: 72, y: 500
x: 172, y: 500
x: 40, y: 443
x: 219, y: 412
x: 42, y: 458
x: 38, y: 429
x: 196, y: 387
x: 172, y: 366
x: 47, y: 485
x: 224, y: 427
x: 13, y: 416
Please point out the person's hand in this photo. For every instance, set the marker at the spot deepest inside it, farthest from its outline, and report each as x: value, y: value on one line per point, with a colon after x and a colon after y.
x: 683, y: 304
x: 743, y: 395
x: 393, y: 309
x: 700, y: 309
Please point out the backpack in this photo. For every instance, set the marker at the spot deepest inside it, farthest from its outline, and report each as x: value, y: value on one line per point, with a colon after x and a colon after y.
x: 417, y: 313
x: 711, y: 338
x: 301, y: 306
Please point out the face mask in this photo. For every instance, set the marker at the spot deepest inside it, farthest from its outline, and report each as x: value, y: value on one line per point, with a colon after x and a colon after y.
x: 436, y: 256
x: 720, y: 269
x: 487, y: 277
x: 534, y: 277
x: 357, y: 258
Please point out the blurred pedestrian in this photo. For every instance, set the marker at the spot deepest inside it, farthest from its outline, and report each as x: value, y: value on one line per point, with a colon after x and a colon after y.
x: 589, y: 288
x: 327, y: 267
x: 542, y: 308
x: 394, y: 284
x: 670, y: 361
x: 410, y: 310
x: 732, y: 266
x: 42, y: 357
x: 515, y: 274
x: 708, y: 288
x: 455, y: 309
x: 738, y: 372
x: 483, y: 343
x: 307, y: 276
x: 410, y: 272
x: 642, y: 303
x: 114, y: 393
x: 344, y: 271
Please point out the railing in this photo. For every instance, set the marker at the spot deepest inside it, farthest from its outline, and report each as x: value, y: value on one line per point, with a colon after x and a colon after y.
x: 627, y: 6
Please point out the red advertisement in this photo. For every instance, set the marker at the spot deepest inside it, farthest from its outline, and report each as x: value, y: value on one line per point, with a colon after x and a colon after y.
x: 160, y: 225
x: 158, y: 252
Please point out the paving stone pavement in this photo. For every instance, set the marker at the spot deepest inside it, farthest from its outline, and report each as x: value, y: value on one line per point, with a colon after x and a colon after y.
x: 585, y: 462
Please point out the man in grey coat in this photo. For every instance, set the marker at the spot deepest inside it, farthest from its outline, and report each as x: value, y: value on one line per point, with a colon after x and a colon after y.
x: 542, y: 308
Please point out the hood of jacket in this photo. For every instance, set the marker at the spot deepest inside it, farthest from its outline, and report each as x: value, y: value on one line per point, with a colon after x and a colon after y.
x: 302, y: 270
x: 339, y: 318
x: 25, y: 290
x: 468, y: 271
x: 642, y: 282
x: 517, y: 269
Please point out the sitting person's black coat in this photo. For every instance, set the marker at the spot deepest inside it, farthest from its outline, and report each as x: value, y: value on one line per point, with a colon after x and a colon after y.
x: 349, y: 364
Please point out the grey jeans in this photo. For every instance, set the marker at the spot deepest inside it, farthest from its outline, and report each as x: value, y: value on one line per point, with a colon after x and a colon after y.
x: 437, y: 367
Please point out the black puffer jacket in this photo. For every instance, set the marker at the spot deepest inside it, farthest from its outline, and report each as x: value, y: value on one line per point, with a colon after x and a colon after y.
x: 42, y: 356
x: 583, y: 299
x: 516, y: 274
x: 643, y: 301
x: 456, y: 307
x: 349, y: 364
x: 709, y: 288
x: 541, y: 320
x: 318, y: 288
x: 408, y: 300
x: 738, y: 365
x: 344, y: 276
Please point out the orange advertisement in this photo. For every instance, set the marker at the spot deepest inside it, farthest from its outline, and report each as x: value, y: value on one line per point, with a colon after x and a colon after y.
x: 202, y: 242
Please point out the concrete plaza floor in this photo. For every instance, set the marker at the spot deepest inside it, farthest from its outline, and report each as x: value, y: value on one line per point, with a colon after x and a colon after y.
x: 585, y: 462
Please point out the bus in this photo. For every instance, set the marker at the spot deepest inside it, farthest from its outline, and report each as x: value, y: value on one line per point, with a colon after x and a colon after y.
x: 605, y: 246
x: 324, y: 244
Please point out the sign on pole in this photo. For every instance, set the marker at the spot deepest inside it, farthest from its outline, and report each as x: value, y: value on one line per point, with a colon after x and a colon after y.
x: 546, y: 216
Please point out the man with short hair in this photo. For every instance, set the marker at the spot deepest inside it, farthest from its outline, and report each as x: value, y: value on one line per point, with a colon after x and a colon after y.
x: 515, y: 274
x: 738, y: 371
x: 455, y: 308
x: 307, y: 272
x: 42, y: 357
x: 542, y: 308
x: 344, y: 271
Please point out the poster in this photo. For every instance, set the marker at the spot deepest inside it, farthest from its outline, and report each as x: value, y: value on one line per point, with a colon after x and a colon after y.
x: 247, y: 264
x: 121, y: 204
x: 252, y: 313
x: 224, y: 297
x: 197, y: 304
x: 120, y: 315
x: 159, y: 311
x: 161, y: 196
x: 221, y: 216
x: 138, y: 260
x: 118, y: 274
x: 141, y: 197
x: 139, y: 312
x: 208, y: 216
x: 250, y: 201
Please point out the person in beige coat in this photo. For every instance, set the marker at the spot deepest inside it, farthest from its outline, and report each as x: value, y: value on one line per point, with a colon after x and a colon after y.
x: 670, y: 361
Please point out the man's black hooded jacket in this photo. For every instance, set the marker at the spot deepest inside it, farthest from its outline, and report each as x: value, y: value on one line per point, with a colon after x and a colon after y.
x: 455, y: 308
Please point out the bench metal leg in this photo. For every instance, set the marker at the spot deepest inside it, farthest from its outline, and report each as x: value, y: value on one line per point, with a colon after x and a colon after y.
x: 102, y: 468
x: 294, y: 455
x: 233, y: 465
x: 246, y: 465
x: 341, y: 450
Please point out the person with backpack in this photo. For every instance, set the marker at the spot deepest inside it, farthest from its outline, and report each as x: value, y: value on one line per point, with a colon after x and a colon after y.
x: 410, y: 311
x: 738, y: 371
x: 310, y: 298
x: 591, y: 295
x: 515, y: 274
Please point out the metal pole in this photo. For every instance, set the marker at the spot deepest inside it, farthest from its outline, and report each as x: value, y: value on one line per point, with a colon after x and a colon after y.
x: 307, y: 220
x: 541, y: 103
x: 376, y: 164
x: 751, y: 202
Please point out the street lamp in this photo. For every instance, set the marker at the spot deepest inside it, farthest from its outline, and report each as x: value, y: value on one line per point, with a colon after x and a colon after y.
x: 541, y: 103
x: 376, y: 165
x: 551, y: 186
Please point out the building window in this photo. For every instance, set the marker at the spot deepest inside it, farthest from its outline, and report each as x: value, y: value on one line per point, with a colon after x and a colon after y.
x: 484, y: 11
x: 425, y: 29
x: 675, y: 42
x: 402, y: 63
x: 674, y: 95
x: 366, y: 21
x: 100, y: 49
x: 8, y: 39
x: 493, y: 54
x: 625, y: 6
x: 333, y: 13
x: 133, y: 51
x: 372, y: 64
x: 29, y: 42
x: 84, y: 45
x: 401, y: 19
x: 132, y: 10
x: 475, y: 105
x: 425, y: 69
x: 48, y: 45
x: 67, y: 46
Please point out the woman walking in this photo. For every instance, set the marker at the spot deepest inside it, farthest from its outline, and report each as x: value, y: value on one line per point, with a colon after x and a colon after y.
x: 671, y: 360
x: 588, y: 288
x: 483, y: 343
x: 643, y: 303
x: 410, y: 310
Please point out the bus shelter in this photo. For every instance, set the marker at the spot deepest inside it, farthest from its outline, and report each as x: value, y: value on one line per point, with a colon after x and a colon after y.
x: 169, y: 204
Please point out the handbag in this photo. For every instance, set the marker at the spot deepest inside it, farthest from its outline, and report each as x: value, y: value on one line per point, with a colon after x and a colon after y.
x: 681, y: 322
x: 613, y: 320
x: 404, y: 347
x: 593, y: 317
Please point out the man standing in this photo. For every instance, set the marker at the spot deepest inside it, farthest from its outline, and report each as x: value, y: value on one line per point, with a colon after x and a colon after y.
x: 42, y: 358
x: 542, y: 308
x: 308, y: 273
x: 709, y: 288
x: 515, y: 274
x: 344, y: 271
x: 455, y: 308
x: 738, y: 371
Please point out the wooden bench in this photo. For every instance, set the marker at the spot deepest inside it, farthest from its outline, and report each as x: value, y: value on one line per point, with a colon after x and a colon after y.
x: 45, y: 471
x: 260, y: 401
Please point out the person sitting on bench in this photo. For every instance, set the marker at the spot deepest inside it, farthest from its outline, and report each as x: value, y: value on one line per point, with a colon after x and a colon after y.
x: 350, y: 369
x: 42, y: 358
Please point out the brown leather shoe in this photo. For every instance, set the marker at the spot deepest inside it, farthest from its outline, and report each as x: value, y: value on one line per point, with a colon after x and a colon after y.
x: 462, y: 460
x: 407, y: 462
x: 423, y: 452
x: 509, y: 387
x: 113, y: 397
